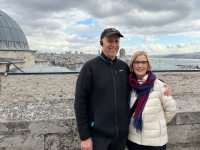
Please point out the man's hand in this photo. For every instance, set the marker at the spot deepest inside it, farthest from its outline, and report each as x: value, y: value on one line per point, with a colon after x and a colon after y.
x: 87, y: 144
x: 167, y: 91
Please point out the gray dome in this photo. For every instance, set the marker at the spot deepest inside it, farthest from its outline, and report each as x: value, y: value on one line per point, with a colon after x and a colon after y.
x: 11, y: 35
x: 122, y: 50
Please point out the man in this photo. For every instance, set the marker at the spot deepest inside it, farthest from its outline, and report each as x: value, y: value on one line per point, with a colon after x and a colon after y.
x: 101, y: 108
x: 100, y: 101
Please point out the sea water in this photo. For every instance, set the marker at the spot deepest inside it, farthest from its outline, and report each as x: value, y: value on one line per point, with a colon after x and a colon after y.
x: 174, y: 63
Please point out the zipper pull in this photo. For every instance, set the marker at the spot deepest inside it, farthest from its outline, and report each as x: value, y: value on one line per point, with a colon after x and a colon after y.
x: 92, y: 124
x: 111, y: 63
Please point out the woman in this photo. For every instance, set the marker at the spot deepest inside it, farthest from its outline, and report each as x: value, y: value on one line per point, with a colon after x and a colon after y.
x: 152, y: 110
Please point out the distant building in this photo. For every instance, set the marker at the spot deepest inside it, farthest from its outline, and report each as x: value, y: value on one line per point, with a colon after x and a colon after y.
x: 68, y: 52
x: 122, y: 54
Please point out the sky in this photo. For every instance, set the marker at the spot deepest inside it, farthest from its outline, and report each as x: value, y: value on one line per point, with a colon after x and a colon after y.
x: 156, y: 26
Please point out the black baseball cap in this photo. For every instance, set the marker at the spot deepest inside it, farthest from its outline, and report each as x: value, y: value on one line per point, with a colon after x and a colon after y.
x: 110, y: 31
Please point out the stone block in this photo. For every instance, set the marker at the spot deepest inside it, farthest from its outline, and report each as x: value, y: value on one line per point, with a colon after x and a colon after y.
x: 22, y: 141
x: 186, y: 118
x: 184, y: 134
x: 188, y: 146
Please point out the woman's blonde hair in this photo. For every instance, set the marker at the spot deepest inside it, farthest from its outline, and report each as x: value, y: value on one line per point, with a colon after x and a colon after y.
x: 135, y: 55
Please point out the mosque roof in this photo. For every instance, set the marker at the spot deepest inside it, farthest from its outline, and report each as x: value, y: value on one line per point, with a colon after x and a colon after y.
x: 11, y: 35
x: 78, y: 69
x: 13, y: 60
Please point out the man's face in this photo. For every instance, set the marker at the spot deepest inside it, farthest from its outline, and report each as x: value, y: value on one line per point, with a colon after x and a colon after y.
x: 111, y: 46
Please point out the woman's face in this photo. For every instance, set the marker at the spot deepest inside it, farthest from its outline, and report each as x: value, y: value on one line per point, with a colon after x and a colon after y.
x: 140, y: 66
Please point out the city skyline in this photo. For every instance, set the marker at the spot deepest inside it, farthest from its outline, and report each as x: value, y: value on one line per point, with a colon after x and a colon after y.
x: 158, y: 27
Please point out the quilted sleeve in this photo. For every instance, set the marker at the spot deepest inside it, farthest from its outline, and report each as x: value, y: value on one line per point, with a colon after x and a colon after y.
x: 169, y: 105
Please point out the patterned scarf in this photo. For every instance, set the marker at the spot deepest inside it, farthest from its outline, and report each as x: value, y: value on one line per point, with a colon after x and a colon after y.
x: 142, y: 93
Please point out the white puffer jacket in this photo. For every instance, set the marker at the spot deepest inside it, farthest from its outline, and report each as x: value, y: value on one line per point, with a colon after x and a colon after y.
x: 158, y: 111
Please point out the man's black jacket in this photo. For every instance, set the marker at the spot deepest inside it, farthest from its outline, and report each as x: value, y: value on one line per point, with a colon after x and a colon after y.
x: 100, y: 98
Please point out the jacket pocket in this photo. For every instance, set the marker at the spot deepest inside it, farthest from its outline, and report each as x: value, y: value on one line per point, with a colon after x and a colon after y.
x: 121, y: 78
x: 117, y: 77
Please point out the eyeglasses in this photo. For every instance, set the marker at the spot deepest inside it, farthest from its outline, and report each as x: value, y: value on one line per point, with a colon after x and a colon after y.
x: 137, y: 63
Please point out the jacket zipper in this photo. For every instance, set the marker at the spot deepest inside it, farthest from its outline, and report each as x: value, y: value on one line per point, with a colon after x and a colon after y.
x: 116, y: 75
x: 160, y: 131
x: 115, y: 98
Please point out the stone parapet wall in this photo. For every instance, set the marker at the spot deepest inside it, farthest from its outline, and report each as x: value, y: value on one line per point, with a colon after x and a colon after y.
x: 36, y: 111
x: 57, y: 134
x: 61, y: 134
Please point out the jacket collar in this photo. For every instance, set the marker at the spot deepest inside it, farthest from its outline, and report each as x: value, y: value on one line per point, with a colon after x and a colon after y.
x: 106, y: 59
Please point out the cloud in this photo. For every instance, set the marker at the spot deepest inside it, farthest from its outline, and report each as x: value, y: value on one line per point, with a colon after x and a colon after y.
x: 76, y: 25
x: 182, y: 45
